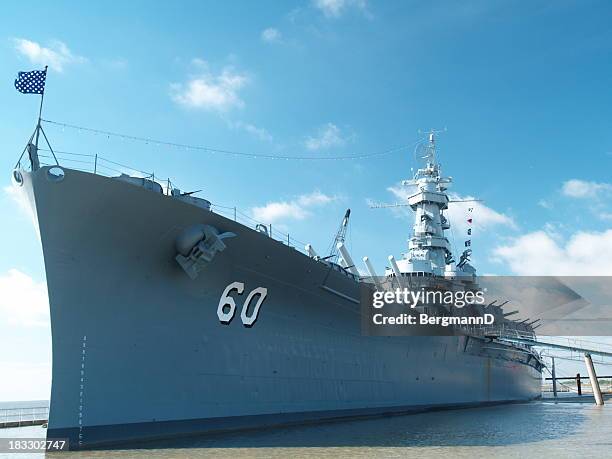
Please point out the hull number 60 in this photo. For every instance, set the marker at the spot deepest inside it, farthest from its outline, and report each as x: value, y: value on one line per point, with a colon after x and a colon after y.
x: 227, y: 305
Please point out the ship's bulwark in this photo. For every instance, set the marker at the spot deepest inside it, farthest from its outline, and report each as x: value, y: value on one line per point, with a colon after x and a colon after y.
x: 139, y: 351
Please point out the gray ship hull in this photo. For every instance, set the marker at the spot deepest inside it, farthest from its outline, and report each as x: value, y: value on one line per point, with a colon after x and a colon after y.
x: 139, y: 351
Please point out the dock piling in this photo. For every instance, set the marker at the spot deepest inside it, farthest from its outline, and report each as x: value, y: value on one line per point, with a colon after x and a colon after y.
x: 593, y: 377
x: 554, y: 378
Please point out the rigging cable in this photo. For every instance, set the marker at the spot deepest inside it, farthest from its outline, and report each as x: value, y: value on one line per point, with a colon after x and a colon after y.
x: 226, y: 152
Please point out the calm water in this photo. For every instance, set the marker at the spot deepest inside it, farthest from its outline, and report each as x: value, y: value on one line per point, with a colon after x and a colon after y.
x: 26, y: 404
x: 539, y: 429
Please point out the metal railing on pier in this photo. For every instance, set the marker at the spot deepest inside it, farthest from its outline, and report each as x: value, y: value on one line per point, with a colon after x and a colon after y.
x: 579, y: 384
x: 23, y: 416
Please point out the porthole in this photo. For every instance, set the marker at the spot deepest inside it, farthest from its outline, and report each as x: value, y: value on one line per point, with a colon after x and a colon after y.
x: 55, y: 174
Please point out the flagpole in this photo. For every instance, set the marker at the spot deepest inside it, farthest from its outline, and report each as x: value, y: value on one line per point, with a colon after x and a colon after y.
x: 42, y: 98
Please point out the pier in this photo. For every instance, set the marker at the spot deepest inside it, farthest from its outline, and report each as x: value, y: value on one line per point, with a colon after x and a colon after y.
x: 573, y: 389
x: 573, y: 348
x: 24, y: 416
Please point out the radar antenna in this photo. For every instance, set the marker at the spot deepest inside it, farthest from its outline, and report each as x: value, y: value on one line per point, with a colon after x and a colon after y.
x: 425, y: 150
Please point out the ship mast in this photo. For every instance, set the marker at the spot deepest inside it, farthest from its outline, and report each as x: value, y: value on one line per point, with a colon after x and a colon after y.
x: 428, y: 248
x: 429, y: 251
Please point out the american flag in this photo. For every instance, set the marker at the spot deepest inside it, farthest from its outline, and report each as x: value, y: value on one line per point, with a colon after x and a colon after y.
x: 31, y: 82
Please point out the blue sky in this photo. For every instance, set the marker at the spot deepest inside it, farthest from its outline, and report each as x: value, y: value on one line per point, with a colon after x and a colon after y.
x: 522, y: 88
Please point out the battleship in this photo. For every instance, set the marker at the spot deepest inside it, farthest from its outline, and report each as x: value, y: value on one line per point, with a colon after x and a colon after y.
x: 171, y: 319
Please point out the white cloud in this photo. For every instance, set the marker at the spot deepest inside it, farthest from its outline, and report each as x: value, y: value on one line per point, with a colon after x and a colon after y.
x: 539, y: 253
x: 23, y: 301
x: 314, y: 198
x: 296, y: 209
x: 57, y: 55
x: 328, y: 136
x: 483, y: 217
x: 271, y: 35
x: 259, y: 132
x: 275, y: 211
x: 209, y: 91
x: 199, y: 62
x: 593, y: 196
x: 335, y: 8
x: 545, y: 204
x: 583, y: 189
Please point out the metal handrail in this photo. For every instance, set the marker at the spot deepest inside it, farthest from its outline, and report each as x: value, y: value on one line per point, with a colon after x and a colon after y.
x: 20, y: 415
x: 98, y: 165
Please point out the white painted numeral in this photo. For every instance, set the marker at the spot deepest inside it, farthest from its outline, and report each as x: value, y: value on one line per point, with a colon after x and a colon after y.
x: 248, y: 321
x: 226, y: 315
x: 226, y: 300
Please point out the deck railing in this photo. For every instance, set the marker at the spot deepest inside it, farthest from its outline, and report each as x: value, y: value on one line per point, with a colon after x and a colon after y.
x: 98, y: 165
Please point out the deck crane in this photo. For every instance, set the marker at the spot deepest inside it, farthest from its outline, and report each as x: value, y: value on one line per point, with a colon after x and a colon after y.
x: 334, y: 251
